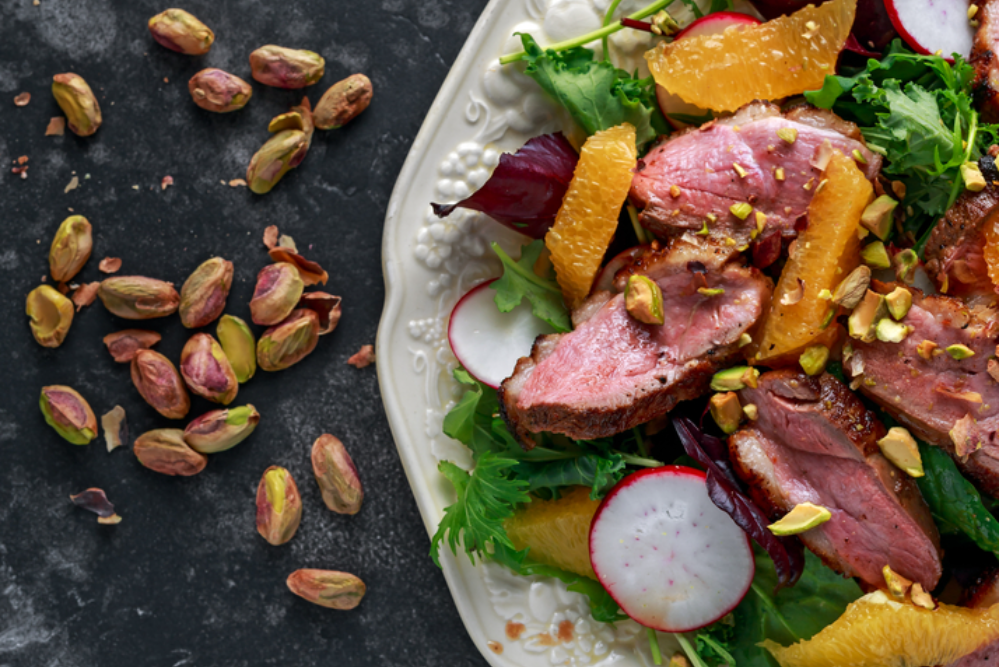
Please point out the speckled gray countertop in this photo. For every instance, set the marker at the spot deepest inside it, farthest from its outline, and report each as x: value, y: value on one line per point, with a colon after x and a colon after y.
x: 185, y: 579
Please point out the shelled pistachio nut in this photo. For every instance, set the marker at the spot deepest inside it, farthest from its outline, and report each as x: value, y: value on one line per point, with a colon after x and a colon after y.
x: 239, y: 345
x: 219, y: 430
x: 280, y: 154
x: 165, y: 451
x: 336, y: 475
x: 207, y: 371
x: 327, y: 588
x: 138, y: 298
x: 289, y: 342
x: 286, y: 68
x: 342, y: 102
x: 71, y: 248
x: 203, y: 295
x: 77, y: 101
x: 180, y: 31
x: 51, y: 315
x: 278, y: 290
x: 160, y: 384
x: 219, y: 91
x: 279, y: 506
x: 68, y: 413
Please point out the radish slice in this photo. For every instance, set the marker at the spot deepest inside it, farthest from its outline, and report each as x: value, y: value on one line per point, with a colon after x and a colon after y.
x: 670, y: 558
x: 485, y: 341
x: 929, y: 26
x: 606, y: 278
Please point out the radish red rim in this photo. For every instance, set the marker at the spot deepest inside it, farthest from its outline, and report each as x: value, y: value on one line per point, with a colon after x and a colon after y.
x: 909, y: 38
x: 730, y: 18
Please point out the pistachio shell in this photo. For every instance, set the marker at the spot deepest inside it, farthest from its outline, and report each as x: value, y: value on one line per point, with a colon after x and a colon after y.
x: 203, y: 295
x: 238, y: 343
x: 165, y: 451
x: 207, y: 371
x: 290, y: 342
x: 160, y: 384
x: 138, y: 298
x: 68, y: 413
x: 286, y: 68
x: 51, y: 315
x: 327, y: 307
x: 77, y: 101
x: 180, y: 31
x: 71, y: 248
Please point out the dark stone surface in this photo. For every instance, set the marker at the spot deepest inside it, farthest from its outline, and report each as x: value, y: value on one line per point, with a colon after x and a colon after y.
x: 185, y: 579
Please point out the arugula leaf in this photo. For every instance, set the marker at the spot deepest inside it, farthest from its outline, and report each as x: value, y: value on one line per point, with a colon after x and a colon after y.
x: 519, y: 281
x: 486, y: 497
x: 954, y: 503
x: 598, y: 471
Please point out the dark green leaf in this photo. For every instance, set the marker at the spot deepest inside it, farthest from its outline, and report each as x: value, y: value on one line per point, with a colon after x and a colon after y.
x: 519, y: 281
x: 598, y: 471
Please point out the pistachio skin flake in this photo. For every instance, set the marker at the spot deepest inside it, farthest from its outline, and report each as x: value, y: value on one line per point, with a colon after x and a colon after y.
x: 123, y: 345
x: 96, y: 501
x: 278, y: 290
x: 289, y: 342
x: 71, y: 248
x: 327, y: 307
x: 220, y: 430
x: 238, y: 343
x: 51, y: 315
x: 219, y: 91
x: 66, y: 411
x: 182, y: 32
x: 138, y: 298
x: 164, y: 450
x: 160, y: 384
x: 203, y: 294
x: 327, y: 588
x: 207, y: 371
x: 336, y: 475
x: 78, y: 103
x: 279, y: 506
x: 343, y: 102
x: 286, y: 68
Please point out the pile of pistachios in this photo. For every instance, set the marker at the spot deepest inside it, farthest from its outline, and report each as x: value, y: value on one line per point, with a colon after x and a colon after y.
x: 210, y: 366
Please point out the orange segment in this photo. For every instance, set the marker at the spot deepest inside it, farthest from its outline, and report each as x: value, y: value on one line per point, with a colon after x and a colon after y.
x: 557, y: 531
x: 783, y: 57
x: 588, y: 216
x: 991, y: 250
x: 876, y: 631
x: 821, y: 257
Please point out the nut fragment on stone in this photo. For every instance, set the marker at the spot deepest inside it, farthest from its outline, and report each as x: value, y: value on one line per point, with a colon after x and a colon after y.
x: 219, y: 91
x: 56, y: 127
x: 279, y: 506
x: 326, y: 306
x: 22, y: 99
x: 219, y: 430
x: 203, y: 294
x: 180, y: 31
x: 278, y: 290
x: 110, y: 265
x: 363, y: 357
x: 336, y: 475
x: 165, y: 451
x: 160, y: 384
x: 115, y: 428
x: 289, y: 342
x: 327, y: 588
x: 77, y: 101
x: 238, y: 343
x: 51, y: 315
x: 71, y: 248
x: 286, y: 68
x: 311, y: 272
x: 123, y: 345
x: 96, y: 501
x: 270, y: 236
x: 343, y: 102
x: 207, y: 371
x: 138, y: 298
x: 66, y: 411
x: 84, y: 295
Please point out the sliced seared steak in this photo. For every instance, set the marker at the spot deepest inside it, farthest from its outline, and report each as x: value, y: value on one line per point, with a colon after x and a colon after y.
x: 693, y: 178
x: 954, y: 253
x: 814, y: 441
x: 984, y: 59
x: 946, y: 402
x: 613, y: 372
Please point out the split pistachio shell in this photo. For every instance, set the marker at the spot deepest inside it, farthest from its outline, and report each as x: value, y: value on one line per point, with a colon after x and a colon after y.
x: 290, y: 342
x: 68, y: 413
x: 138, y: 298
x: 286, y: 68
x: 77, y: 101
x: 180, y: 31
x: 115, y: 428
x: 203, y: 295
x: 160, y: 384
x: 336, y: 475
x: 165, y: 451
x: 51, y: 315
x: 326, y: 306
x: 278, y: 290
x: 343, y: 102
x: 71, y: 248
x: 219, y: 91
x: 851, y: 289
x: 207, y: 371
x: 279, y: 506
x: 238, y: 343
x: 220, y: 430
x: 327, y: 588
x: 281, y: 153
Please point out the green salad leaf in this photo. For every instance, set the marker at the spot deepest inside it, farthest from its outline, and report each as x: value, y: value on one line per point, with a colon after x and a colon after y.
x: 603, y: 607
x: 954, y: 503
x: 599, y: 471
x: 519, y: 281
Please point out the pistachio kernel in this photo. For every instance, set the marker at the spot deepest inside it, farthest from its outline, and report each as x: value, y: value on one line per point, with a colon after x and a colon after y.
x: 327, y: 588
x: 741, y: 210
x: 289, y: 342
x: 899, y: 301
x: 219, y: 430
x: 875, y: 255
x: 206, y: 370
x: 239, y: 345
x: 927, y: 348
x: 279, y: 506
x: 160, y: 384
x: 788, y: 134
x: 726, y: 411
x: 51, y: 315
x: 877, y: 216
x: 181, y: 31
x: 901, y: 449
x: 905, y: 263
x: 286, y: 68
x: 866, y: 316
x: 644, y: 300
x: 898, y: 585
x: 336, y: 475
x: 851, y: 289
x: 959, y: 351
x: 751, y: 411
x: 71, y: 248
x: 78, y: 103
x: 165, y: 451
x: 813, y: 359
x: 972, y: 176
x: 803, y: 517
x: 203, y: 295
x: 889, y: 331
x: 343, y: 102
x: 66, y: 411
x: 734, y: 379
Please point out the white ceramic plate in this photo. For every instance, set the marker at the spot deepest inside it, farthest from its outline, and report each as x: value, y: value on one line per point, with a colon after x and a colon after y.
x: 428, y: 264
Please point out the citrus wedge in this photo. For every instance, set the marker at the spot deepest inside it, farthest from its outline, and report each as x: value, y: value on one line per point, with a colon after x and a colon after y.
x: 557, y: 531
x: 783, y: 57
x: 822, y: 256
x: 588, y: 217
x: 876, y: 631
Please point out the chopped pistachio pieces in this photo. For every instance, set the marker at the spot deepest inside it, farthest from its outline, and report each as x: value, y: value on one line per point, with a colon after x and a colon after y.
x: 898, y: 584
x: 738, y: 168
x: 725, y: 410
x: 858, y: 156
x: 745, y: 340
x: 644, y: 300
x: 899, y: 301
x: 927, y: 349
x: 959, y: 351
x: 803, y: 517
x: 734, y: 379
x: 973, y: 177
x: 863, y: 319
x: 905, y: 263
x: 704, y: 229
x: 788, y: 134
x: 901, y: 449
x: 750, y: 410
x: 741, y: 210
x: 877, y: 216
x: 875, y: 255
x: 889, y: 331
x: 761, y: 220
x: 779, y: 174
x: 921, y: 598
x: 813, y: 359
x: 711, y: 291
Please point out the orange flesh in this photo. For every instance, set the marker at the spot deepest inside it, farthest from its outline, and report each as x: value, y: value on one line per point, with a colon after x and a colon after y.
x: 783, y: 57
x: 557, y: 532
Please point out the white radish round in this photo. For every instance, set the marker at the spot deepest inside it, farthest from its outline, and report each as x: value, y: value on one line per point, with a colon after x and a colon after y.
x: 485, y: 341
x: 670, y: 558
x: 929, y: 26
